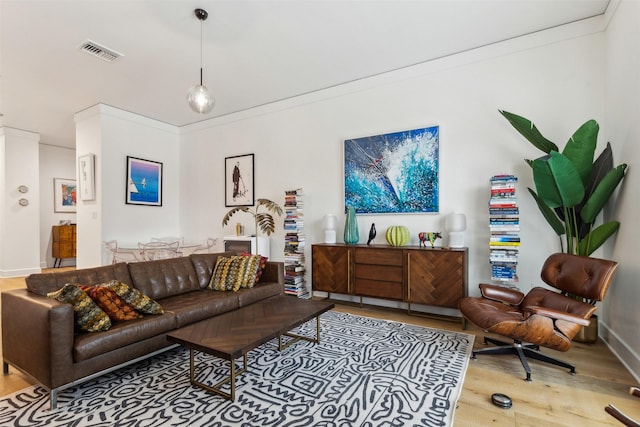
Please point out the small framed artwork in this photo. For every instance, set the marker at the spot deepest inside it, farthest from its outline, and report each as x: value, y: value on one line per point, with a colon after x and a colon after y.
x: 393, y: 173
x: 64, y: 195
x: 144, y: 182
x: 238, y: 180
x: 86, y: 173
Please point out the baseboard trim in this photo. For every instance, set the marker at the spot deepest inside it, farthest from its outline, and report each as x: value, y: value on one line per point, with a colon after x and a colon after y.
x: 621, y: 350
x: 19, y: 273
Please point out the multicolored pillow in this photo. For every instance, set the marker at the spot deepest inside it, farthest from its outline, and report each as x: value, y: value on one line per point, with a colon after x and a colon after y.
x: 116, y: 308
x: 87, y: 315
x: 135, y: 298
x: 261, y: 266
x: 232, y: 273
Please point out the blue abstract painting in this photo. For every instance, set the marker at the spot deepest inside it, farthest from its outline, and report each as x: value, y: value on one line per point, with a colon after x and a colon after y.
x: 393, y: 173
x: 144, y: 182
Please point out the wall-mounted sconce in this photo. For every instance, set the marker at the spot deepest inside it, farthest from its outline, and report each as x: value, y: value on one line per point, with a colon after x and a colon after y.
x: 23, y: 189
x: 23, y: 202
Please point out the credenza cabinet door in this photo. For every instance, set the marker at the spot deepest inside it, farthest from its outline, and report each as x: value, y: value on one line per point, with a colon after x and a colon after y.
x: 332, y: 269
x: 436, y: 277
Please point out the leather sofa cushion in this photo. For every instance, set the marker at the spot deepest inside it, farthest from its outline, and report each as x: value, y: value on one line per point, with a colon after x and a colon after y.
x: 199, y: 305
x: 121, y: 334
x: 44, y: 283
x: 259, y: 292
x: 163, y: 278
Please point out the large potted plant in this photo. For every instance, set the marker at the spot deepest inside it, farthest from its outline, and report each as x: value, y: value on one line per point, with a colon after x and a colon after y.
x: 263, y: 220
x: 572, y: 188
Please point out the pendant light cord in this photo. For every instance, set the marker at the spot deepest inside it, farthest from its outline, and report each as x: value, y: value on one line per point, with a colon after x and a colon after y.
x: 201, y: 52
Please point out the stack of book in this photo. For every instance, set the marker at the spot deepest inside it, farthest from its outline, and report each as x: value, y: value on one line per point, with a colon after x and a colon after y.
x: 294, y: 262
x: 504, y: 227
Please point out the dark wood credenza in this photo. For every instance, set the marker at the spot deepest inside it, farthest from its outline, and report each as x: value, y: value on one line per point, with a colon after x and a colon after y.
x: 64, y: 243
x: 411, y: 274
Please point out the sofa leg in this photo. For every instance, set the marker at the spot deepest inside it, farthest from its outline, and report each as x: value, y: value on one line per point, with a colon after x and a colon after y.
x: 5, y: 368
x: 53, y: 399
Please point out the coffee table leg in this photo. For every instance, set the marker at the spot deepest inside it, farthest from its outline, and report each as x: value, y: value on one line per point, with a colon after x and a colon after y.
x: 297, y: 337
x: 231, y: 379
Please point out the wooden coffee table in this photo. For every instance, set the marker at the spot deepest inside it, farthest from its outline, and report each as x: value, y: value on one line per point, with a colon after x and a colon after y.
x: 233, y: 334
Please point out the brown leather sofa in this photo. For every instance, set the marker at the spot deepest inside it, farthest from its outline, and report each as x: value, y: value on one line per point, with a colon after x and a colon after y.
x: 38, y: 336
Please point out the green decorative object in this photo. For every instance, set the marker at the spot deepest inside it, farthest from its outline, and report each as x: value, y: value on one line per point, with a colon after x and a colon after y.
x: 397, y: 235
x: 572, y: 187
x: 351, y: 235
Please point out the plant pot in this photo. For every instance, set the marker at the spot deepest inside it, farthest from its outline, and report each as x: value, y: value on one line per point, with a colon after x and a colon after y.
x: 588, y: 334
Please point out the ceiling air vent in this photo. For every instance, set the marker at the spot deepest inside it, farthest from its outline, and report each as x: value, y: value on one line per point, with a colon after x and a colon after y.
x: 102, y: 52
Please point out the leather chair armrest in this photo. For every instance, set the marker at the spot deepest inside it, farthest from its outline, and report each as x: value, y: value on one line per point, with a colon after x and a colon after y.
x: 558, y: 315
x: 501, y: 294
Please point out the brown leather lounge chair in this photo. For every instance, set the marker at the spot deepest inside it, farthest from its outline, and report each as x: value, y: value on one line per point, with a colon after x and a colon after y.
x: 543, y: 317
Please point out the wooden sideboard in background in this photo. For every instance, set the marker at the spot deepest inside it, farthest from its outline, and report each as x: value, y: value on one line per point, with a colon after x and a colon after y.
x: 411, y: 274
x: 64, y: 243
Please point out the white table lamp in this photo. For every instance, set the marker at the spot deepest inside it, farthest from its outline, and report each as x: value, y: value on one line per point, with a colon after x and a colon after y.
x: 456, y: 224
x: 330, y: 222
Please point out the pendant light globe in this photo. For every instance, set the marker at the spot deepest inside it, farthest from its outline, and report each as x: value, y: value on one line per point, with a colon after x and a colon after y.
x: 200, y: 100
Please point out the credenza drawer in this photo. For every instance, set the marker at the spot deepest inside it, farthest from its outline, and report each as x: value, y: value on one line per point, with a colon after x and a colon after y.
x: 378, y: 256
x: 379, y: 289
x: 388, y: 273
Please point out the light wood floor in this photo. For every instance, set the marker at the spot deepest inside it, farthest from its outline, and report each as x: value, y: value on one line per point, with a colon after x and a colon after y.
x: 553, y: 398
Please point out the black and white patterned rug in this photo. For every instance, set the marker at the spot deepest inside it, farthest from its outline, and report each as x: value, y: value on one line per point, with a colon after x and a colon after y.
x: 364, y: 372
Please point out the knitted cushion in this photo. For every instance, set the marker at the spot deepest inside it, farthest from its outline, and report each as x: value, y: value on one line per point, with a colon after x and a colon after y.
x: 116, y: 308
x: 87, y: 315
x: 135, y: 298
x: 232, y: 273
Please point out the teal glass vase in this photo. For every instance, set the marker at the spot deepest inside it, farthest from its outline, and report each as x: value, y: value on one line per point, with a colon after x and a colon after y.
x: 351, y: 235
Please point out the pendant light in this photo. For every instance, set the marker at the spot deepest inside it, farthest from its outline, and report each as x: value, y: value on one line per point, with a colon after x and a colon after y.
x: 198, y: 97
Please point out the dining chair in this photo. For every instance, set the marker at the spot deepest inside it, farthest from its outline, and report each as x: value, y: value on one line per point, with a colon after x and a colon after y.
x: 169, y: 239
x: 206, y: 246
x: 118, y: 255
x: 159, y: 250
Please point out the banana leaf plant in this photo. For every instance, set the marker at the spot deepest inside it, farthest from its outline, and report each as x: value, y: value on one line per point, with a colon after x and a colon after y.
x: 263, y: 220
x: 572, y: 188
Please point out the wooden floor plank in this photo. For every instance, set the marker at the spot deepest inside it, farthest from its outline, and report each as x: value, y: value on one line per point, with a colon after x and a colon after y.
x: 554, y: 398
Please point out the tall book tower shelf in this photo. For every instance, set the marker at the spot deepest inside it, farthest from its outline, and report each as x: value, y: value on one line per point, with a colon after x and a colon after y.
x: 294, y: 268
x: 504, y: 227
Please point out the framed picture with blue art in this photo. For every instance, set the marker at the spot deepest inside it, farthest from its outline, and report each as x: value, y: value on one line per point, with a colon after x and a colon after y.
x: 64, y: 195
x: 144, y: 182
x: 393, y: 173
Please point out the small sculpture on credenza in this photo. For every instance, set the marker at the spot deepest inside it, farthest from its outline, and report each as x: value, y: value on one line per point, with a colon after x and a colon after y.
x: 372, y: 233
x: 429, y: 236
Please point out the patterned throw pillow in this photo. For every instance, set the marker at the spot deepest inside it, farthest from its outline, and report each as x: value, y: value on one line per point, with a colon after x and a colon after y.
x: 88, y: 316
x: 232, y: 273
x: 135, y: 298
x: 116, y: 308
x: 263, y: 264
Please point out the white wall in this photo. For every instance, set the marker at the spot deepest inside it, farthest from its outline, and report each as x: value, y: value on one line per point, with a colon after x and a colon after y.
x: 112, y: 135
x: 55, y: 162
x: 621, y: 315
x: 298, y: 143
x: 19, y: 225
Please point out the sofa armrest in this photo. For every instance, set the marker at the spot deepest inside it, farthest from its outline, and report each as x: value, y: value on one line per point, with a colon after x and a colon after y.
x: 273, y: 272
x: 37, y: 336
